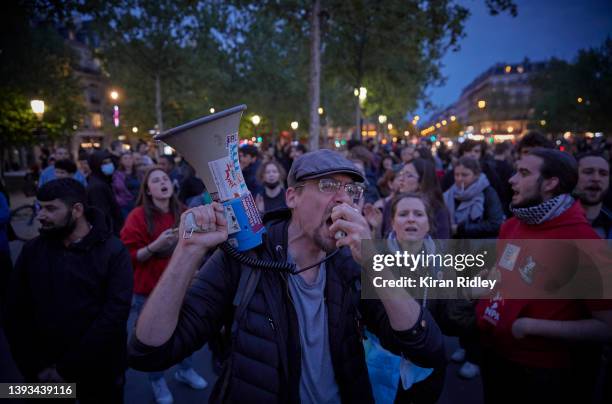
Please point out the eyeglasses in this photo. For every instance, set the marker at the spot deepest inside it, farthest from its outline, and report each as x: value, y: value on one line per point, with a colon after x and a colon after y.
x: 331, y: 186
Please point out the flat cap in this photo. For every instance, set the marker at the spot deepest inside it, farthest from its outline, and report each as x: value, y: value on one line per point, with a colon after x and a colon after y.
x: 321, y: 163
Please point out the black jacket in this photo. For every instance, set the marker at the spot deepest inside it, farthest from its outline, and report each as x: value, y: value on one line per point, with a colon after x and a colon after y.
x: 68, y: 306
x: 264, y: 363
x: 100, y: 192
x: 250, y: 178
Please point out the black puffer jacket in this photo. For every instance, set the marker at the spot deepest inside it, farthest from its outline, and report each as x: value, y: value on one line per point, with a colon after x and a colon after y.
x: 264, y: 364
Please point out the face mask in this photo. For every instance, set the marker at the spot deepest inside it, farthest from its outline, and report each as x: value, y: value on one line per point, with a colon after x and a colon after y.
x: 271, y: 185
x: 108, y: 168
x: 60, y: 232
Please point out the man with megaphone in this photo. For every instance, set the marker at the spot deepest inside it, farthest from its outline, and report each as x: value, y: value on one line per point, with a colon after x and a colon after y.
x: 295, y: 336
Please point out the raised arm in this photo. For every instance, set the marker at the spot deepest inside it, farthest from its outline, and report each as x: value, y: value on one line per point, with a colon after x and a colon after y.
x: 160, y: 314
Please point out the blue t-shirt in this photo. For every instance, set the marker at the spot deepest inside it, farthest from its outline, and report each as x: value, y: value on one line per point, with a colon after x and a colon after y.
x: 317, y: 381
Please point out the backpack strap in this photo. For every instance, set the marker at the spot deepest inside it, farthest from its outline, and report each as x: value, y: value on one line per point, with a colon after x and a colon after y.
x: 249, y: 278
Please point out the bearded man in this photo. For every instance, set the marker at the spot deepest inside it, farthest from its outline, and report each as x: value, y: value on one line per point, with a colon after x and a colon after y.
x: 69, y: 298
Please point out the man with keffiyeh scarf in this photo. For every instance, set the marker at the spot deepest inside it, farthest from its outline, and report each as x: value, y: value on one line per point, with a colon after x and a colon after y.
x: 541, y: 350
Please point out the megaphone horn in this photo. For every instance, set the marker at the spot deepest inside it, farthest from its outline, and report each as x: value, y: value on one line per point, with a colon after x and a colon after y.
x: 210, y: 145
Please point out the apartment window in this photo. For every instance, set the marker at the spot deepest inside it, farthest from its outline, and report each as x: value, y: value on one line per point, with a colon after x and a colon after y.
x: 96, y: 120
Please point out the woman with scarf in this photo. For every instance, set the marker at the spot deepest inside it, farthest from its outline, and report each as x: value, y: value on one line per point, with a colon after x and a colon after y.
x: 475, y: 209
x: 396, y: 379
x: 476, y: 213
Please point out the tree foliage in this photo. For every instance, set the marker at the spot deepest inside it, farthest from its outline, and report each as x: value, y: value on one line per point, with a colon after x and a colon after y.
x: 162, y: 54
x: 35, y: 63
x: 575, y: 96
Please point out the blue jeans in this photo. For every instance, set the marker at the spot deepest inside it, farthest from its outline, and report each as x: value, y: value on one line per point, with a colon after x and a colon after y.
x: 138, y: 302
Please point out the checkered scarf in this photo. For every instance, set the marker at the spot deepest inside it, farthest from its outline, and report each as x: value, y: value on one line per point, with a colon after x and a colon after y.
x: 544, y: 211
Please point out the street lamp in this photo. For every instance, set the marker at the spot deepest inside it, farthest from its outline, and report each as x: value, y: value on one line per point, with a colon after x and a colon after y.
x: 482, y: 104
x: 363, y: 94
x: 212, y: 110
x: 114, y: 94
x: 38, y: 107
x: 382, y: 119
x: 256, y: 120
x: 294, y: 126
x: 453, y: 118
x: 134, y: 129
x: 321, y: 110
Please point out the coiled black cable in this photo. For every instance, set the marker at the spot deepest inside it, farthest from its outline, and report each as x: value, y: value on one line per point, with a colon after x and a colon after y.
x: 268, y: 265
x: 254, y: 262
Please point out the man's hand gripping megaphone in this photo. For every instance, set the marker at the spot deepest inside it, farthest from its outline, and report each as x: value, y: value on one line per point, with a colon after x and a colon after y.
x: 203, y: 227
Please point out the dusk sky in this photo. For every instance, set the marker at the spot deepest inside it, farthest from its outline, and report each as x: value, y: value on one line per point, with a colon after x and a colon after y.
x: 542, y: 29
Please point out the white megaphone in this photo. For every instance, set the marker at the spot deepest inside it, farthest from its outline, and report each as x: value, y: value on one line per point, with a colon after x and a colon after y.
x: 210, y: 145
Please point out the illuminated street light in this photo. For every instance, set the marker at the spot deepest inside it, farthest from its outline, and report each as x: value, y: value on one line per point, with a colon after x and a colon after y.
x: 363, y: 94
x: 38, y: 107
x: 543, y: 122
x: 416, y: 118
x: 510, y: 129
x: 135, y: 129
x: 482, y: 104
x: 321, y: 110
x: 508, y: 69
x: 356, y: 92
x: 295, y: 125
x: 382, y: 119
x: 390, y: 126
x: 579, y: 100
x: 212, y: 110
x: 114, y: 94
x: 453, y: 118
x: 438, y: 125
x: 444, y: 122
x: 256, y: 120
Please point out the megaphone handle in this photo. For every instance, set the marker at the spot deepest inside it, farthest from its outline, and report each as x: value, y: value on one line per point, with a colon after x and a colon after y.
x: 190, y: 226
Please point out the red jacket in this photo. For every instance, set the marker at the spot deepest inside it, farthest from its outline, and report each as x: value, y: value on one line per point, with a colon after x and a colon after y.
x: 136, y: 236
x: 529, y: 264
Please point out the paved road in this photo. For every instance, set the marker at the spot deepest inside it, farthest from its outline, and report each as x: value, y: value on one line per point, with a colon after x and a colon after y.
x: 456, y: 389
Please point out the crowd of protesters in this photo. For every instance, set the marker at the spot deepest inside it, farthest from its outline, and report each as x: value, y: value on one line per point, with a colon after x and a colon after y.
x: 110, y: 224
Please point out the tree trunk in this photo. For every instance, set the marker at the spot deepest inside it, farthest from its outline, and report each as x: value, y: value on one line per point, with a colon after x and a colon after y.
x: 158, y: 113
x: 357, y: 135
x: 158, y: 104
x: 314, y: 82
